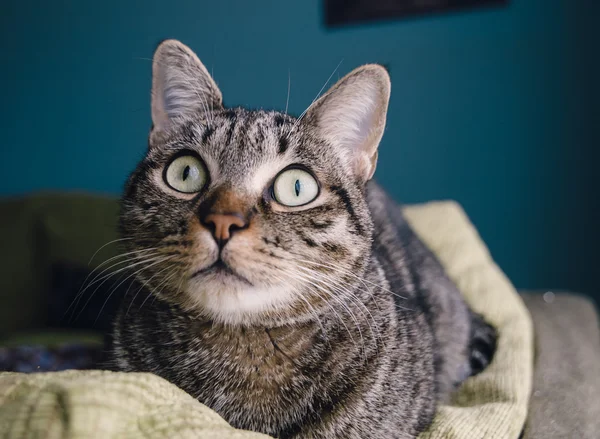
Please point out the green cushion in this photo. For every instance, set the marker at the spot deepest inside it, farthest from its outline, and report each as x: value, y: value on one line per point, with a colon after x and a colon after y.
x: 491, y: 405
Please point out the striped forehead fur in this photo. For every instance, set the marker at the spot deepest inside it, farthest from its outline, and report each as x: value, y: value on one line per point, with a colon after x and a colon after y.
x: 244, y: 150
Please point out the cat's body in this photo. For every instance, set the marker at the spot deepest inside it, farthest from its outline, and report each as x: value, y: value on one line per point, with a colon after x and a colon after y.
x: 325, y: 318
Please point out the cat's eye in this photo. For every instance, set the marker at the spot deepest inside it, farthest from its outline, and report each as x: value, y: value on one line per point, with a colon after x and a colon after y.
x: 186, y: 174
x: 295, y: 187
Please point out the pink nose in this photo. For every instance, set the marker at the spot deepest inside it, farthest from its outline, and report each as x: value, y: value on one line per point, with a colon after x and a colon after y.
x: 223, y: 225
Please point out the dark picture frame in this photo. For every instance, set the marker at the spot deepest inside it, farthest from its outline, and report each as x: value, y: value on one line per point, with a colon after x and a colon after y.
x: 344, y: 12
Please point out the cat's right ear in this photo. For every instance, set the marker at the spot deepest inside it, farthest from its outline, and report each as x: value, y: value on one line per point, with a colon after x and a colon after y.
x: 352, y: 114
x: 181, y: 86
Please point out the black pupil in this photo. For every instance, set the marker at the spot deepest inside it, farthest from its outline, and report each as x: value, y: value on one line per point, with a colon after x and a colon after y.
x: 297, y: 187
x: 186, y: 173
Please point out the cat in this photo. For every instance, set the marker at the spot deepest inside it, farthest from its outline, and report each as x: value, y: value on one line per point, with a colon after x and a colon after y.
x: 279, y: 285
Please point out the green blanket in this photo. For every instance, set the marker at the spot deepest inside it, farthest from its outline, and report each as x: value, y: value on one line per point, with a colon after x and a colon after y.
x: 119, y: 405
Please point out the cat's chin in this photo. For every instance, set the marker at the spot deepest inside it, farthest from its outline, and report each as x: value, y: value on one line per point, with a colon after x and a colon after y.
x: 229, y: 298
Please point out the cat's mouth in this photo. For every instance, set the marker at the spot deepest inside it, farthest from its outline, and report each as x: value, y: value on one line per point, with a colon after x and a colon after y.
x: 220, y: 268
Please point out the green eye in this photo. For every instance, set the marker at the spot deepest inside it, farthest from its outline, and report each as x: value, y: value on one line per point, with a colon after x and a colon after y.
x: 186, y: 174
x: 295, y: 187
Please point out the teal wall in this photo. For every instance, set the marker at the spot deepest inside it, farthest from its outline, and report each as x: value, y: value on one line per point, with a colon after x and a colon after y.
x: 495, y: 108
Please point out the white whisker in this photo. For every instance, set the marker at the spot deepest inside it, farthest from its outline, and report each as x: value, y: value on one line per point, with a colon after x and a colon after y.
x: 108, y: 243
x: 315, y: 285
x: 349, y: 273
x: 164, y: 283
x: 316, y: 97
x: 288, y: 93
x: 85, y: 285
x: 102, y: 277
x: 120, y: 271
x: 123, y: 255
x: 346, y: 292
x: 312, y: 311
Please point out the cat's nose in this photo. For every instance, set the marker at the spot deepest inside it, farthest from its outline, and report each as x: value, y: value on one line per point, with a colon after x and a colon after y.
x: 222, y: 225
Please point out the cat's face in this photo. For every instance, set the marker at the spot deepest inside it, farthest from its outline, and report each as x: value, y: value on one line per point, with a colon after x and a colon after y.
x: 252, y: 216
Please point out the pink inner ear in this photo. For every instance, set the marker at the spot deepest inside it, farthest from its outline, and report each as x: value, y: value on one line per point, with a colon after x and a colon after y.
x: 351, y: 122
x: 352, y: 115
x: 365, y: 125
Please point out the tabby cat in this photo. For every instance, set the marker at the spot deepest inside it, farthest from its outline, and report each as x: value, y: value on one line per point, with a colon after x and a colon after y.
x: 279, y: 285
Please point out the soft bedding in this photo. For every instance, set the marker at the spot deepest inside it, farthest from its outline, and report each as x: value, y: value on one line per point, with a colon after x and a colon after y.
x: 89, y: 404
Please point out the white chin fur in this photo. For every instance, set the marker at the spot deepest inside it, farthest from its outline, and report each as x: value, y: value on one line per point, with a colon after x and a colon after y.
x: 232, y: 301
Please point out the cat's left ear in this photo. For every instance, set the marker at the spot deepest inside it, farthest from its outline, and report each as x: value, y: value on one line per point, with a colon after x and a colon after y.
x: 181, y: 85
x: 351, y: 116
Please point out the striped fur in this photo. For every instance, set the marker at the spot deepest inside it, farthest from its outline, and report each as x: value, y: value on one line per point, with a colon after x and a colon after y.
x: 332, y: 320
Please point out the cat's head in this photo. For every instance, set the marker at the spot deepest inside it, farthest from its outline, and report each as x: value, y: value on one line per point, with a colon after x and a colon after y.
x: 252, y: 216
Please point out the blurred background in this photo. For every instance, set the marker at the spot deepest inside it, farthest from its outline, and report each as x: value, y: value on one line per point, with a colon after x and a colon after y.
x: 496, y: 107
